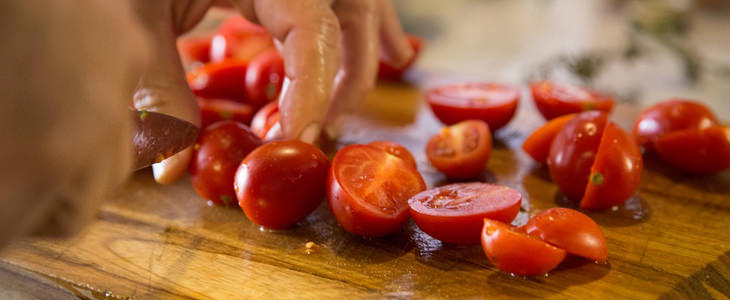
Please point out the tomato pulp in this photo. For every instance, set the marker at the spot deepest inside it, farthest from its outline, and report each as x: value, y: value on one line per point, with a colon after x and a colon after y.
x: 492, y: 103
x: 461, y: 150
x: 554, y: 100
x: 397, y: 150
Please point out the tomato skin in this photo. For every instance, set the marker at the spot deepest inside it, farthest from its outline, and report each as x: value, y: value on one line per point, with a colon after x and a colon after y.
x: 397, y: 150
x: 670, y: 116
x: 514, y: 252
x: 570, y: 230
x: 238, y: 38
x: 214, y: 110
x: 282, y: 182
x: 265, y: 78
x: 265, y: 118
x: 195, y: 49
x: 394, y: 177
x: 216, y: 156
x: 455, y: 213
x: 393, y: 73
x: 537, y: 145
x: 461, y: 150
x: 223, y: 79
x: 496, y: 105
x: 554, y: 100
x: 697, y: 151
x: 616, y: 171
x: 574, y: 150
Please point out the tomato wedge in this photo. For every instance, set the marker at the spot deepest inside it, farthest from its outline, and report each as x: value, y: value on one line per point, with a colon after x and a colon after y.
x: 214, y: 110
x: 461, y: 150
x: 554, y: 100
x: 570, y: 230
x: 238, y: 38
x: 397, y: 150
x: 195, y: 49
x: 537, y: 145
x: 265, y: 77
x: 265, y: 118
x: 368, y: 190
x: 223, y: 79
x: 698, y: 151
x: 455, y: 213
x: 517, y: 253
x: 669, y: 116
x: 492, y: 103
x: 389, y: 72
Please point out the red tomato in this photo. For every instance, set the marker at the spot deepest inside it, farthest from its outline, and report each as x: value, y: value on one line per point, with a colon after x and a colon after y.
x: 265, y: 118
x: 195, y: 49
x: 616, y: 171
x: 214, y: 110
x: 570, y: 230
x: 368, y: 190
x: 461, y: 150
x: 220, y: 80
x: 514, y: 252
x: 493, y: 103
x: 393, y: 73
x: 281, y: 182
x: 669, y: 116
x: 554, y: 100
x: 216, y: 156
x: 699, y: 151
x: 265, y: 77
x: 238, y: 38
x: 397, y: 150
x: 537, y: 145
x: 455, y: 213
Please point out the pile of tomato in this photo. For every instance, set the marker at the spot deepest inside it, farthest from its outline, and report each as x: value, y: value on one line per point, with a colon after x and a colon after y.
x: 373, y: 189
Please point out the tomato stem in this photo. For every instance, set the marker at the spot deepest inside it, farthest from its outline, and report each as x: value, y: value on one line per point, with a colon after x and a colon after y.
x: 597, y: 178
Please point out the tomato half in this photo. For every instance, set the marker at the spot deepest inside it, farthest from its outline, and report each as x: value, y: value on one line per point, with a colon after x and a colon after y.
x: 216, y: 156
x: 397, y: 150
x: 265, y: 118
x: 699, y: 151
x: 368, y: 190
x: 554, y: 100
x: 393, y: 73
x: 238, y: 38
x: 195, y: 49
x: 492, y: 103
x: 669, y: 116
x: 265, y: 77
x: 515, y: 252
x: 570, y: 230
x: 461, y: 150
x: 281, y: 182
x: 455, y: 213
x: 223, y: 79
x: 537, y: 145
x: 214, y: 110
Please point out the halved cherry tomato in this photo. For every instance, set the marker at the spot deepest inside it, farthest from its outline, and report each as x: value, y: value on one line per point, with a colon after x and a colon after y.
x: 515, y: 252
x: 216, y: 156
x: 238, y: 38
x: 368, y: 190
x: 461, y: 150
x: 699, y: 151
x: 669, y: 116
x: 223, y: 79
x: 397, y: 150
x: 455, y: 213
x: 570, y: 230
x: 554, y: 100
x: 492, y: 103
x: 264, y: 77
x: 265, y: 118
x: 281, y: 182
x: 195, y: 49
x: 214, y: 110
x: 537, y: 145
x: 393, y: 73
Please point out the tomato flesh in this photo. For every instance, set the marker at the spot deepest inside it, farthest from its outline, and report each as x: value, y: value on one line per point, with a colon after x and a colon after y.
x: 669, y: 116
x: 265, y: 77
x: 265, y: 118
x: 492, y: 103
x: 570, y: 230
x: 393, y: 73
x: 554, y: 100
x: 455, y: 213
x: 698, y: 151
x: 397, y: 150
x: 214, y: 110
x: 368, y: 190
x: 517, y: 253
x: 461, y: 150
x: 537, y: 145
x: 223, y: 79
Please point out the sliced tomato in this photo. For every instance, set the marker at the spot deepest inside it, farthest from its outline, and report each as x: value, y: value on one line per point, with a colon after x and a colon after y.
x: 389, y: 72
x: 517, y: 253
x: 492, y: 103
x: 554, y: 100
x: 214, y: 110
x: 265, y: 77
x: 537, y: 145
x: 223, y: 79
x: 570, y: 230
x: 461, y: 150
x: 698, y: 151
x: 670, y: 116
x: 238, y: 38
x: 397, y: 150
x: 455, y: 213
x: 368, y: 190
x: 265, y: 118
x: 195, y: 48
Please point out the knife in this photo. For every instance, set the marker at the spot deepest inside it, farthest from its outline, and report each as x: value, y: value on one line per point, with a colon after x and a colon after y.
x: 158, y: 136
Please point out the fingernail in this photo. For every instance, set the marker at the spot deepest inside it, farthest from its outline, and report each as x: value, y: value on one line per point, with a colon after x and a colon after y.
x: 310, y: 134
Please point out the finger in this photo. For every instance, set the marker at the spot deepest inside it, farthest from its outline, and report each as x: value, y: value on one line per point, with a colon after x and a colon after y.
x: 396, y: 50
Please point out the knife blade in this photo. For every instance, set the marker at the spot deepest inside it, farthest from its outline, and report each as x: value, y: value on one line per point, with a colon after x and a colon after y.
x: 158, y: 136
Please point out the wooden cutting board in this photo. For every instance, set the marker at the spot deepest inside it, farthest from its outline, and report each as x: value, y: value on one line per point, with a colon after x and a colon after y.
x: 670, y: 241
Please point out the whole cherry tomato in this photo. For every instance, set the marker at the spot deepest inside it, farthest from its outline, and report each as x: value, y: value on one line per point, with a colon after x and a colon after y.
x: 570, y: 230
x: 515, y: 252
x: 281, y: 182
x: 368, y: 190
x: 195, y: 49
x: 216, y: 156
x: 461, y: 150
x: 670, y: 116
x: 698, y: 151
x: 455, y: 213
x: 238, y: 38
x: 554, y: 100
x: 265, y: 77
x: 492, y: 103
x: 393, y: 73
x: 397, y: 150
x: 214, y: 110
x: 537, y: 145
x: 265, y: 118
x: 223, y: 79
